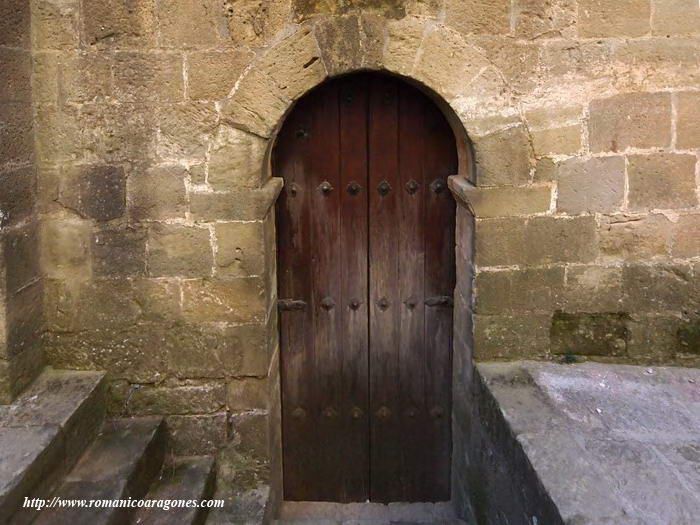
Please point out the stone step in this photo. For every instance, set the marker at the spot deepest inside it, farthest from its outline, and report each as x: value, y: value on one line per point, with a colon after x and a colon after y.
x: 184, y: 479
x: 43, y: 433
x: 126, y: 456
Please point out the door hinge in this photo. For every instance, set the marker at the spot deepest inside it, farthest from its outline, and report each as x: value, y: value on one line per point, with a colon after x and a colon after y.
x: 439, y: 300
x: 291, y: 304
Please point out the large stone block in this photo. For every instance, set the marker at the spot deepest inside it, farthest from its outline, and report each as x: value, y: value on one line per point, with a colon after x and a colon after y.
x: 196, y: 435
x: 653, y: 337
x: 489, y: 17
x: 186, y: 399
x: 55, y: 25
x: 16, y: 132
x: 179, y: 250
x: 250, y: 433
x: 535, y: 19
x: 659, y: 288
x: 95, y: 191
x: 227, y: 300
x: 256, y: 22
x: 688, y: 124
x: 65, y: 248
x: 686, y: 237
x: 191, y: 24
x: 18, y: 196
x: 557, y: 141
x: 403, y: 40
x: 247, y: 394
x: 185, y: 130
x: 340, y: 41
x: 662, y: 181
x: 600, y: 18
x: 598, y: 334
x: 634, y: 237
x: 159, y: 299
x: 502, y: 202
x: 20, y: 256
x: 592, y: 289
x: 675, y: 17
x: 503, y: 158
x: 148, y: 77
x: 157, y: 193
x: 590, y: 186
x: 518, y: 291
x: 541, y: 240
x: 119, y: 252
x: 124, y: 24
x: 240, y: 249
x: 15, y: 84
x: 211, y: 75
x: 634, y: 120
x: 105, y: 304
x: 84, y: 77
x: 509, y: 337
x: 236, y: 159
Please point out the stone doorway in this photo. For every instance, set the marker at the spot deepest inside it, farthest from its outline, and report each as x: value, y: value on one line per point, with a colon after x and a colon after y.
x: 365, y: 229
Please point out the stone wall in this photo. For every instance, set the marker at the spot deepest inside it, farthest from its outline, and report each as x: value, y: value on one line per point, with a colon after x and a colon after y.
x: 154, y: 124
x: 20, y: 283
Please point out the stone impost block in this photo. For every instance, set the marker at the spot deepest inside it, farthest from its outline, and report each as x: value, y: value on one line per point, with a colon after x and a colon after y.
x: 508, y: 337
x: 178, y: 400
x: 227, y: 300
x: 236, y: 159
x: 178, y: 250
x: 589, y: 186
x: 541, y: 240
x: 518, y: 291
x: 630, y: 237
x: 190, y: 24
x: 186, y: 130
x: 503, y: 158
x: 688, y: 124
x: 599, y: 334
x: 600, y: 18
x: 211, y: 75
x: 662, y: 181
x: 119, y: 252
x: 501, y: 202
x: 592, y: 289
x: 675, y: 17
x: 294, y: 64
x: 490, y: 17
x: 659, y: 288
x: 157, y: 193
x: 686, y: 236
x: 148, y: 77
x: 633, y: 120
x: 241, y: 205
x: 126, y: 24
x: 196, y: 435
x: 241, y: 249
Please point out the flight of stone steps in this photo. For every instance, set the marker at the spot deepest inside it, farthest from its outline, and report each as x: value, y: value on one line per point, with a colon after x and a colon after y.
x: 55, y: 441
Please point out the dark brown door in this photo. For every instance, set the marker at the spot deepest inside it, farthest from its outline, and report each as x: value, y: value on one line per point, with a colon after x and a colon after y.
x: 365, y: 229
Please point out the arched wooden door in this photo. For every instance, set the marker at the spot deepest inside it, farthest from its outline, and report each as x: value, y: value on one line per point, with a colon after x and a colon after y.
x: 365, y: 229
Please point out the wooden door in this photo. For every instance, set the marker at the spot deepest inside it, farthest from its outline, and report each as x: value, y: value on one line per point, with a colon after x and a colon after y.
x: 365, y: 229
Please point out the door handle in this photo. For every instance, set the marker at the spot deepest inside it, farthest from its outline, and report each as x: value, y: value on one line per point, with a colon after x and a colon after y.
x: 291, y: 304
x: 439, y: 300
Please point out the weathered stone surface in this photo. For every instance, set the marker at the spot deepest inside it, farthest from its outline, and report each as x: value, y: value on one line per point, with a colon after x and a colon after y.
x: 630, y: 237
x: 15, y: 24
x: 233, y: 300
x: 95, y: 192
x: 188, y: 24
x: 15, y: 132
x: 592, y: 289
x: 689, y: 337
x: 686, y: 237
x: 589, y: 186
x: 18, y: 198
x: 598, y: 18
x: 636, y: 120
x: 403, y: 40
x: 21, y: 257
x: 85, y: 77
x: 15, y: 85
x: 244, y: 204
x: 247, y: 394
x: 180, y: 400
x: 535, y: 19
x: 541, y: 240
x: 66, y: 247
x: 119, y: 253
x: 659, y: 288
x: 675, y: 17
x: 256, y: 23
x: 236, y: 159
x: 185, y: 130
x: 479, y: 16
x: 503, y: 158
x: 304, y: 9
x: 131, y: 23
x: 502, y: 202
x: 25, y: 321
x: 178, y: 250
x: 18, y: 372
x: 157, y: 193
x: 508, y: 337
x: 589, y: 334
x: 146, y: 77
x: 55, y: 25
x: 557, y: 141
x: 196, y: 435
x: 250, y: 433
x: 653, y: 338
x: 211, y: 75
x: 687, y: 125
x: 340, y: 42
x: 662, y: 180
x: 518, y: 291
x: 240, y: 251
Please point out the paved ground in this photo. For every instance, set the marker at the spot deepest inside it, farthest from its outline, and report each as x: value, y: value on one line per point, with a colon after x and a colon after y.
x: 610, y: 443
x: 312, y: 513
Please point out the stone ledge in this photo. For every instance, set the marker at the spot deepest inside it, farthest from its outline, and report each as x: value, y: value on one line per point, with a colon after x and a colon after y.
x: 507, y: 201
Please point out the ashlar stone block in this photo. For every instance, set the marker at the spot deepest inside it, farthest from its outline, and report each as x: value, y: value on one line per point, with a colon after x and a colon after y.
x: 131, y: 23
x: 211, y: 75
x: 686, y: 236
x: 518, y: 291
x: 241, y: 249
x: 157, y: 193
x: 490, y: 17
x: 675, y: 17
x: 662, y: 181
x: 239, y: 300
x: 688, y: 124
x: 635, y: 237
x: 596, y: 334
x: 236, y: 159
x: 179, y: 250
x: 600, y: 18
x: 590, y: 186
x: 503, y: 158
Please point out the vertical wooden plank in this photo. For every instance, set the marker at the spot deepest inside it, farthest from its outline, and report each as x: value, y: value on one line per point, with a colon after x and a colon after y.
x: 440, y: 161
x: 290, y: 161
x: 384, y: 188
x: 354, y: 275
x: 411, y: 235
